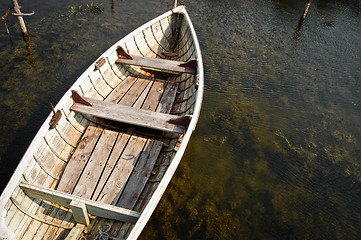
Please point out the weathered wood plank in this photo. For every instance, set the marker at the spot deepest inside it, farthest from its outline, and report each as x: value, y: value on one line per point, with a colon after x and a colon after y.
x: 94, y: 167
x: 122, y: 169
x: 47, y: 212
x: 67, y: 132
x: 58, y: 147
x: 112, y: 57
x: 109, y: 76
x: 134, y: 92
x: 75, y: 119
x: 158, y: 63
x: 33, y: 228
x: 75, y: 232
x: 154, y: 96
x: 150, y: 41
x: 119, y: 146
x: 29, y: 226
x: 142, y: 46
x: 93, y: 207
x: 141, y: 99
x: 99, y: 84
x: 36, y: 207
x: 166, y: 103
x: 80, y: 212
x: 87, y: 88
x: 47, y: 160
x: 28, y: 206
x: 166, y: 30
x: 29, y: 172
x: 129, y: 115
x: 63, y: 216
x: 21, y: 221
x: 24, y: 208
x: 12, y: 210
x: 118, y: 69
x: 140, y: 175
x: 118, y: 93
x: 158, y: 35
x: 80, y: 157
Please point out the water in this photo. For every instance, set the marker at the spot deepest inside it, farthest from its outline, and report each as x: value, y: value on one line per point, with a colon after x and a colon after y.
x: 276, y: 152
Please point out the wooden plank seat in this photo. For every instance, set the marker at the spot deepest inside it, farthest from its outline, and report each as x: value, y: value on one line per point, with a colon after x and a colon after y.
x: 156, y: 63
x: 80, y: 206
x: 129, y: 115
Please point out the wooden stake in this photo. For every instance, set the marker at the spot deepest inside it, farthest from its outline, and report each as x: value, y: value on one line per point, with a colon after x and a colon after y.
x: 306, y: 10
x: 300, y: 23
x: 20, y: 18
x: 24, y: 31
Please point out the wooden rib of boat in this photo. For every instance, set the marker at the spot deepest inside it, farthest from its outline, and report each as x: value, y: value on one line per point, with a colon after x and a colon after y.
x: 99, y: 164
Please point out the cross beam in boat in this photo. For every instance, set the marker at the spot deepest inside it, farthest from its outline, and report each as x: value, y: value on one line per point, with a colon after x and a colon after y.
x: 80, y: 206
x: 130, y: 115
x: 157, y: 63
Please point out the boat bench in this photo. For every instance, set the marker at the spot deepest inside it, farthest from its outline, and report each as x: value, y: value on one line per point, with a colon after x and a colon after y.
x: 129, y: 115
x: 156, y: 63
x: 80, y: 207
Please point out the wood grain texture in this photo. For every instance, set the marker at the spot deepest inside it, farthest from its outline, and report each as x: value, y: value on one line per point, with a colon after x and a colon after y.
x: 129, y: 115
x: 122, y: 169
x: 93, y: 207
x: 79, y: 159
x: 158, y: 63
x: 119, y: 146
x: 140, y: 175
x: 95, y: 165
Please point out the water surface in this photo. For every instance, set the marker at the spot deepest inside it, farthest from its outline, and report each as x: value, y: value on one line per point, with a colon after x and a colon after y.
x: 276, y: 153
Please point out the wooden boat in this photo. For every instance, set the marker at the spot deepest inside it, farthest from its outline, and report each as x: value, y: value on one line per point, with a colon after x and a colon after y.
x: 102, y: 160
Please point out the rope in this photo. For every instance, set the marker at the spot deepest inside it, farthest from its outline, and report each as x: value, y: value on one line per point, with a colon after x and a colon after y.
x: 103, y: 235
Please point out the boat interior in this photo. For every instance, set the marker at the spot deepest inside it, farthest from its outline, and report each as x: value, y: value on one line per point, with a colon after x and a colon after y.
x: 120, y: 127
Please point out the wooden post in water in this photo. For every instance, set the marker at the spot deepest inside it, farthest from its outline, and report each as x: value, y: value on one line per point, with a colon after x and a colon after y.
x: 24, y: 31
x: 300, y: 23
x: 20, y: 18
x: 306, y: 11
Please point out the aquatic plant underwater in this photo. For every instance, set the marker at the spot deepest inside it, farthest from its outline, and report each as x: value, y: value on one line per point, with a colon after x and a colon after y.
x: 276, y: 152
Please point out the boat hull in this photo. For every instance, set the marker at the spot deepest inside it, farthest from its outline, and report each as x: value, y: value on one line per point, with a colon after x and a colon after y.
x: 91, y: 173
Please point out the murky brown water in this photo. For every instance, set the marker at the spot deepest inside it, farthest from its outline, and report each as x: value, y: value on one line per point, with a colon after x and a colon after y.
x: 276, y: 154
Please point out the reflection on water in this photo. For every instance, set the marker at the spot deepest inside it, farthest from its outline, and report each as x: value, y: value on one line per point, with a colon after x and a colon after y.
x: 276, y: 152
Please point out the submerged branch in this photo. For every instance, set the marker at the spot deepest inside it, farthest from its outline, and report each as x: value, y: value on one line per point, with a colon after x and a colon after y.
x: 300, y: 23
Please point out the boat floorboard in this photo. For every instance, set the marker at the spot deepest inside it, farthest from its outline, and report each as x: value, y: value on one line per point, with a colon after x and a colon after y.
x: 113, y: 165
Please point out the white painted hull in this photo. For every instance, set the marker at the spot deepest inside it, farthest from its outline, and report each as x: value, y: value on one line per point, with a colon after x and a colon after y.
x: 47, y: 167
